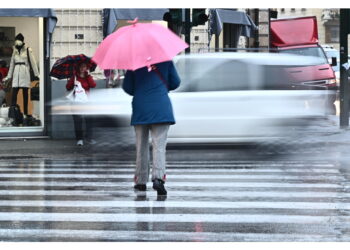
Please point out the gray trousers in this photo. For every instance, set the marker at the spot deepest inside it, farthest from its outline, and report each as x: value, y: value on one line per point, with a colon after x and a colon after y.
x: 159, y: 133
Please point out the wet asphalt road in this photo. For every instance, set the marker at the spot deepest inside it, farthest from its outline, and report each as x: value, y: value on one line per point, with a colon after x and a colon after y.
x: 295, y: 190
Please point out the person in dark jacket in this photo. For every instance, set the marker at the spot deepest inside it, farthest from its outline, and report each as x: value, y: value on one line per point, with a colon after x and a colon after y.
x: 152, y: 112
x: 87, y: 82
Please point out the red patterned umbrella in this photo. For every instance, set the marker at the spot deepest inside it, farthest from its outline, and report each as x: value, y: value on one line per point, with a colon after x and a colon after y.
x: 65, y: 67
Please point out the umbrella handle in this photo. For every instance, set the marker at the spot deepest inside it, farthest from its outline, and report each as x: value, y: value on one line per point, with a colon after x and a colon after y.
x: 134, y: 21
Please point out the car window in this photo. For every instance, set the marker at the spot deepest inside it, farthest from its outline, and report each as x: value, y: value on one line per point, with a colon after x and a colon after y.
x: 223, y: 74
x: 276, y: 77
x: 212, y: 74
x: 310, y: 51
x: 332, y: 53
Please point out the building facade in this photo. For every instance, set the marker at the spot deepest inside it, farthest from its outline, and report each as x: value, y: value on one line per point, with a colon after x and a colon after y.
x: 78, y: 31
x: 81, y: 31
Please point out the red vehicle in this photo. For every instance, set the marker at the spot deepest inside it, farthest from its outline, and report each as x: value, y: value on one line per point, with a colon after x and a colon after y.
x: 300, y: 36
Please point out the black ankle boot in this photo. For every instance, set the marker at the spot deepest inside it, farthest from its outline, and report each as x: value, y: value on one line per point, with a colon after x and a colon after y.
x: 158, y: 185
x: 140, y: 187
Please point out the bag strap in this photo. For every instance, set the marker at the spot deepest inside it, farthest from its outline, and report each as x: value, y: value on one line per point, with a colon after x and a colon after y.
x: 30, y: 64
x: 160, y: 76
x: 76, y: 82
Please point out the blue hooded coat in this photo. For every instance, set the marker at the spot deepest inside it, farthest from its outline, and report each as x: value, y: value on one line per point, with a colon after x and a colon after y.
x: 151, y: 103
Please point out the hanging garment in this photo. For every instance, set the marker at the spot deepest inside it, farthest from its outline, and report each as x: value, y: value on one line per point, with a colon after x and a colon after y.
x: 19, y: 68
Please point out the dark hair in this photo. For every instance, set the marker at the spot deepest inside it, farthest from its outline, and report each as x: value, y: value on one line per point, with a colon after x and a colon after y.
x: 20, y: 37
x: 77, y: 69
x: 83, y: 63
x: 79, y: 65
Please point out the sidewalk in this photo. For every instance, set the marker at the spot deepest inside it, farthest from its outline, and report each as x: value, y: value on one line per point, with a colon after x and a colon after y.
x: 59, y: 149
x: 121, y: 146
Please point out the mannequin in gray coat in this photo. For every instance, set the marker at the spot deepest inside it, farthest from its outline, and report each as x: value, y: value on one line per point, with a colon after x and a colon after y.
x: 19, y: 71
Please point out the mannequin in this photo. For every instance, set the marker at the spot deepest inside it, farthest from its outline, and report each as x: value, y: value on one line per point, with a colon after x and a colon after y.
x: 19, y: 71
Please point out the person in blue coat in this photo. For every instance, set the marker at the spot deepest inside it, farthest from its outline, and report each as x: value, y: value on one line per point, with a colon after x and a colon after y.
x: 152, y: 112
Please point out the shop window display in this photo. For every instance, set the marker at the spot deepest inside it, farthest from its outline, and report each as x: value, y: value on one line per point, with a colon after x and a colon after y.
x: 18, y: 79
x: 3, y: 73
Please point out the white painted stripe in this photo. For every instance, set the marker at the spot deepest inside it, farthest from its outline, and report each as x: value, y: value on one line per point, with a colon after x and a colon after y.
x: 184, y: 171
x: 173, y: 176
x: 64, y: 161
x: 253, y: 165
x: 43, y: 165
x: 130, y: 235
x: 125, y: 217
x: 176, y: 204
x: 251, y: 161
x: 263, y: 163
x: 174, y: 193
x: 169, y: 184
x: 206, y: 164
x: 69, y: 162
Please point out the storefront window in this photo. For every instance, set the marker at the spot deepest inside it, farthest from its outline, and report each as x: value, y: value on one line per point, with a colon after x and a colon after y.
x: 21, y: 96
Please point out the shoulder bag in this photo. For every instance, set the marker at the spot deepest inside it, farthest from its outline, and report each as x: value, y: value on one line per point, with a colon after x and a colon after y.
x: 35, y: 92
x: 31, y: 71
x: 156, y: 70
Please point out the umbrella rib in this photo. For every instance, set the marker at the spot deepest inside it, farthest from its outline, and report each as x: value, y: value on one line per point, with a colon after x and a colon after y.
x: 163, y: 50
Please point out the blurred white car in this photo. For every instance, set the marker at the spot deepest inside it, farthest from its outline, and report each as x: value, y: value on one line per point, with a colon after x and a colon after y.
x: 224, y: 98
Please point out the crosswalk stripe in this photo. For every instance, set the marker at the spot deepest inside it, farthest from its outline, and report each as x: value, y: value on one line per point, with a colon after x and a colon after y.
x: 39, y: 194
x: 172, y: 176
x: 226, y: 218
x: 153, y: 235
x: 174, y: 170
x: 254, y: 165
x: 183, y: 204
x: 189, y: 164
x: 207, y: 193
x: 252, y: 161
x: 170, y: 184
x: 219, y: 162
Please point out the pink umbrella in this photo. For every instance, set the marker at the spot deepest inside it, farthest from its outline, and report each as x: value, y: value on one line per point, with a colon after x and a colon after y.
x: 138, y: 45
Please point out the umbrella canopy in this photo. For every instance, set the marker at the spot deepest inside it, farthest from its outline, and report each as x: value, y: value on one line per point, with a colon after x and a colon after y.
x: 65, y: 67
x: 138, y: 45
